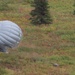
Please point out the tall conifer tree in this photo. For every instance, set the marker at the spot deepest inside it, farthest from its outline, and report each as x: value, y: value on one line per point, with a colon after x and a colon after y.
x: 40, y: 14
x: 74, y: 7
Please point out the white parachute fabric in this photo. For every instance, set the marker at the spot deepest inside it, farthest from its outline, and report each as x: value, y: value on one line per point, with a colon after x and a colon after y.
x: 10, y: 34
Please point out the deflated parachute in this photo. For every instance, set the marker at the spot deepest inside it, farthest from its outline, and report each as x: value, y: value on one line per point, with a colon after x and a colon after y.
x: 10, y: 35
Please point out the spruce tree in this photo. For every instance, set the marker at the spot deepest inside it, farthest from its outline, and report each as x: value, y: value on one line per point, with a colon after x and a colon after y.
x: 40, y: 14
x: 74, y: 7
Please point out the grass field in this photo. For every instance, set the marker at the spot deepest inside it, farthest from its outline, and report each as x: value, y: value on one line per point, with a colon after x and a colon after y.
x: 41, y: 46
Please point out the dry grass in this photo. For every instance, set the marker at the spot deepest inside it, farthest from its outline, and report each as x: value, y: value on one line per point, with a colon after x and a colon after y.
x: 41, y: 45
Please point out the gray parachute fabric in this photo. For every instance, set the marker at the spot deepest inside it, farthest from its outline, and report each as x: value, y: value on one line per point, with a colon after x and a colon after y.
x: 10, y: 35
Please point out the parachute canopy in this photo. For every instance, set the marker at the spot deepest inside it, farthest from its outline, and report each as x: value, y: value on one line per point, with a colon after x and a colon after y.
x: 10, y: 35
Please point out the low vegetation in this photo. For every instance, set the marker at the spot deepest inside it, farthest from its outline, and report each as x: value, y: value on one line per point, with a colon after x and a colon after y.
x: 41, y: 46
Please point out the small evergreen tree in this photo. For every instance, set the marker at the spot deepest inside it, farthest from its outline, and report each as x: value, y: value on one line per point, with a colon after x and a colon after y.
x: 74, y: 7
x: 40, y: 14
